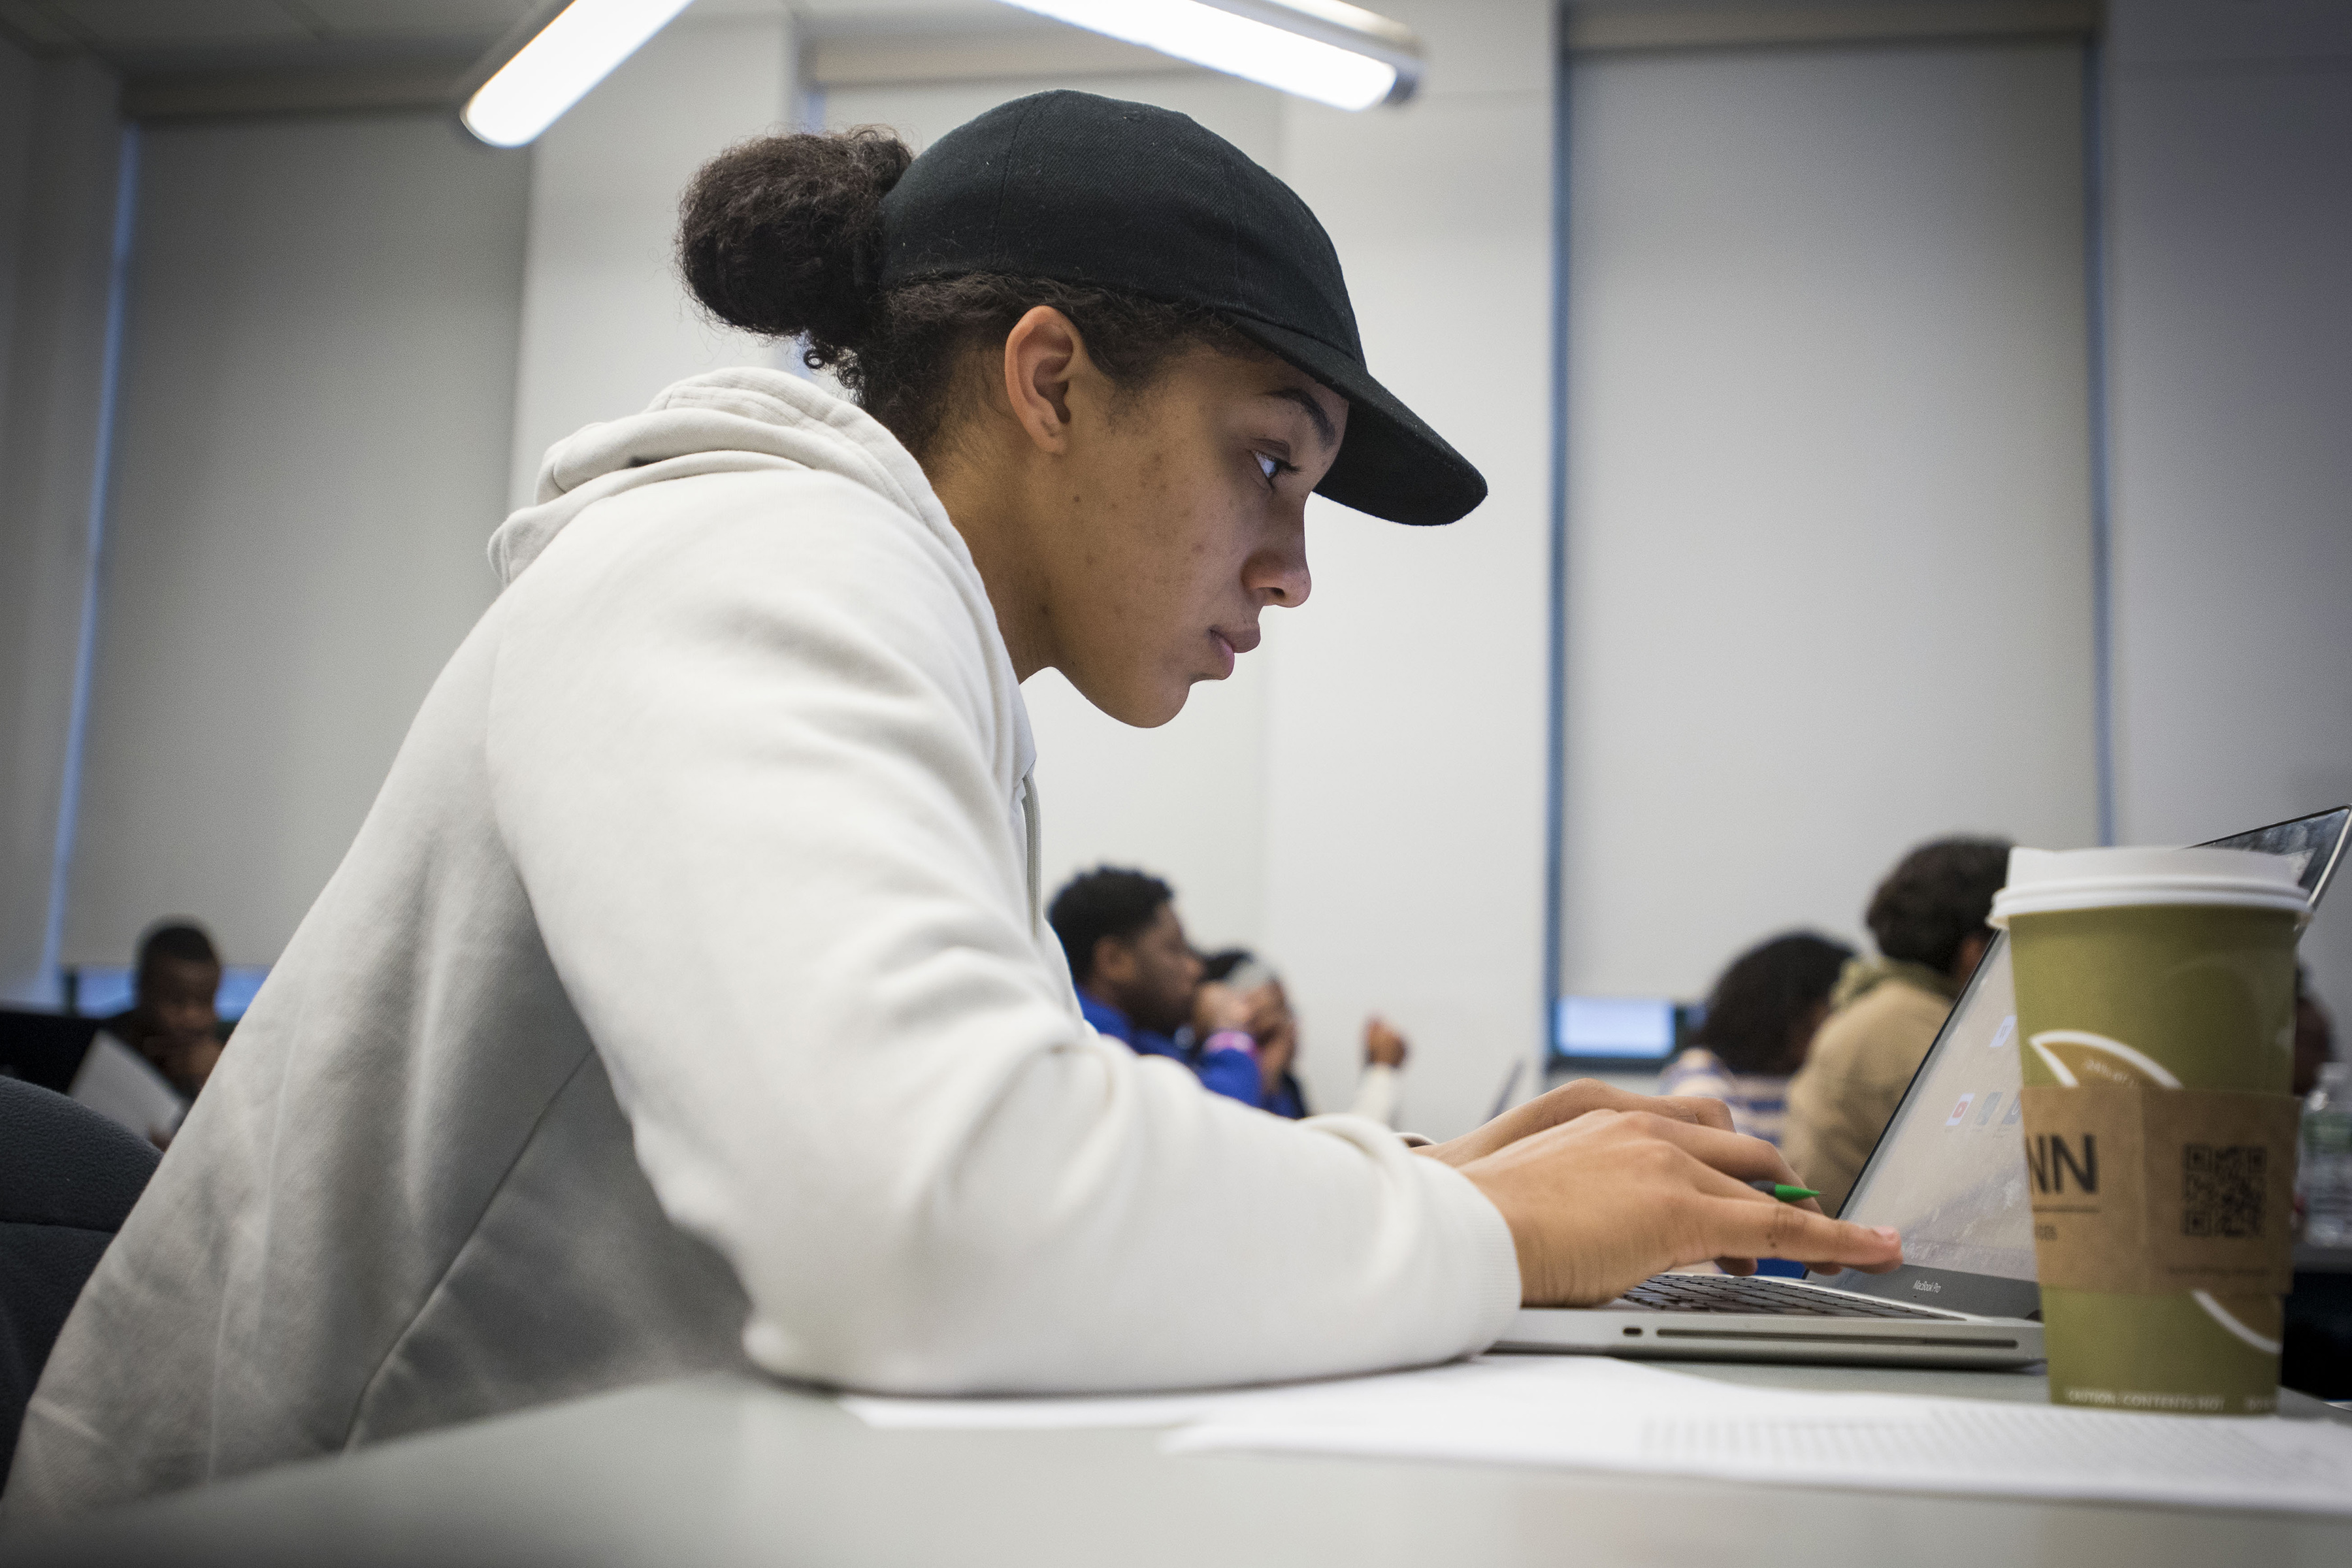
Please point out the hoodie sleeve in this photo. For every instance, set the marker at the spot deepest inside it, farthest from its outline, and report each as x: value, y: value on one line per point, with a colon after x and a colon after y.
x: 740, y: 750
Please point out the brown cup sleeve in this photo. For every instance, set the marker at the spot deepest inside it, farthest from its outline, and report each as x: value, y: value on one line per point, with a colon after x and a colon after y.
x: 2149, y: 1191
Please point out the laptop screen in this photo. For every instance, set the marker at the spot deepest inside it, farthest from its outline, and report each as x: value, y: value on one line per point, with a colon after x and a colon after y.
x: 1949, y: 1169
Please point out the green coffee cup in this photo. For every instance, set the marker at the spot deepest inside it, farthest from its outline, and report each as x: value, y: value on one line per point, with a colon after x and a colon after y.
x: 2156, y: 1009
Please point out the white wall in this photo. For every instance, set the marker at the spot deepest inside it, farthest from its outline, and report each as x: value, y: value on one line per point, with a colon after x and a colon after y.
x: 311, y: 448
x: 606, y: 323
x: 1186, y: 801
x: 1829, y: 565
x: 2229, y: 158
x: 1405, y: 740
x: 59, y: 154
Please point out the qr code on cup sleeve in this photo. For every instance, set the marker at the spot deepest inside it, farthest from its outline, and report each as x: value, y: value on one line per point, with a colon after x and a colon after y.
x: 2221, y: 1189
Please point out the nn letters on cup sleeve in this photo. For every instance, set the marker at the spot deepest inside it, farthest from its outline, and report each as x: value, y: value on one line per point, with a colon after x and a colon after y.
x: 2149, y: 1190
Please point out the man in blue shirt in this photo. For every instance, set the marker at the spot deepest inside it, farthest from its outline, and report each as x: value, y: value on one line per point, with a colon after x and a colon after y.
x: 1136, y: 975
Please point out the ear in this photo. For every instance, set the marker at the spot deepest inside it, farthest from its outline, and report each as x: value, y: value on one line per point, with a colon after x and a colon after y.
x: 1973, y: 947
x: 1114, y: 962
x: 1043, y: 353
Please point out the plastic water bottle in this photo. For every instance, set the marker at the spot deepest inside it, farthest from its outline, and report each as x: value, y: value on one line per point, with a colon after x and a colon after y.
x: 2325, y: 1170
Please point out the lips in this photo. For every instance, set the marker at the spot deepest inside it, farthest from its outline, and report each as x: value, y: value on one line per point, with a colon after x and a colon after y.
x: 1240, y: 640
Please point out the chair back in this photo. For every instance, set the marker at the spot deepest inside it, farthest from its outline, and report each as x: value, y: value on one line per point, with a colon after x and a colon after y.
x: 67, y: 1179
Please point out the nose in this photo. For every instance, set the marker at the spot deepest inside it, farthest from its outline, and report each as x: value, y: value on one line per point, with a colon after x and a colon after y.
x: 1277, y: 573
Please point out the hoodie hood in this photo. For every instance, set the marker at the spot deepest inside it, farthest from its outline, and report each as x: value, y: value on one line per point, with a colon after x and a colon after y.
x: 1861, y: 976
x: 727, y: 421
x: 733, y: 421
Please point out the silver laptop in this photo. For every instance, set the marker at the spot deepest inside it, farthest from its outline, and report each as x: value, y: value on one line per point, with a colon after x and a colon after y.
x: 1949, y: 1173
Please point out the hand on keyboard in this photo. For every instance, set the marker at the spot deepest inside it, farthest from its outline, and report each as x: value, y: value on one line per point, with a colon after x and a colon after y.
x: 1600, y: 1203
x: 1568, y: 1103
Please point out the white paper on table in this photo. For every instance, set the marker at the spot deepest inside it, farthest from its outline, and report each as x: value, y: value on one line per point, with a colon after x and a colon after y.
x: 1593, y: 1413
x: 1076, y: 1411
x: 896, y: 1414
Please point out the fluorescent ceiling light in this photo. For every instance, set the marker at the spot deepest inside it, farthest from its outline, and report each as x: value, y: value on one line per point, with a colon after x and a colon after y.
x: 560, y: 62
x: 1332, y: 53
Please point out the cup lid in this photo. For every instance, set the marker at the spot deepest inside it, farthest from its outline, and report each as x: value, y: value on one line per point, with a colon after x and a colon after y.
x: 2043, y: 881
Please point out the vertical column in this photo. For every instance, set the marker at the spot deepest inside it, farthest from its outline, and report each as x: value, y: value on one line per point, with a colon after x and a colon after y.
x: 64, y: 138
x: 2229, y: 376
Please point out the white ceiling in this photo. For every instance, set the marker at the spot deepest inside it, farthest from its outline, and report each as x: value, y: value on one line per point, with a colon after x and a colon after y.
x: 147, y: 37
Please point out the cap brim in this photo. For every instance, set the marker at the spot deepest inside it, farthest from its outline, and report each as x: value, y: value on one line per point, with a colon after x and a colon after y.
x: 1391, y: 464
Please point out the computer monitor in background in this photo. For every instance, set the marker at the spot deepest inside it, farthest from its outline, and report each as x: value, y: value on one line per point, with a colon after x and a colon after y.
x: 1619, y: 1034
x: 102, y: 990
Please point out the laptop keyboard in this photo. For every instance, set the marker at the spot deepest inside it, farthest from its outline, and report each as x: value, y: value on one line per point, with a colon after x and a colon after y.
x: 1778, y: 1298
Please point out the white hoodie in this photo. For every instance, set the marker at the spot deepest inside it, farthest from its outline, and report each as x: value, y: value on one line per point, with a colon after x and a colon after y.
x: 685, y: 997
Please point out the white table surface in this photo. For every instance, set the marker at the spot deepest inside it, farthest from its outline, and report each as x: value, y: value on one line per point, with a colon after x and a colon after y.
x: 732, y: 1470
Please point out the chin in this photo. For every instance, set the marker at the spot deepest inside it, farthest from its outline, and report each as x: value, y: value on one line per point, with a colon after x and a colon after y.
x: 1150, y: 712
x: 1144, y: 704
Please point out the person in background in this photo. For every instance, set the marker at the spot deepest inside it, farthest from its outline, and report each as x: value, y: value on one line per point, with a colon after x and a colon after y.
x: 1136, y: 976
x: 2315, y: 1035
x: 1929, y: 920
x: 1760, y: 1020
x: 146, y: 1065
x: 1237, y: 973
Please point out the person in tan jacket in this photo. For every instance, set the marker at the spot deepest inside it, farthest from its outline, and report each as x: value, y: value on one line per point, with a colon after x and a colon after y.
x: 1929, y: 920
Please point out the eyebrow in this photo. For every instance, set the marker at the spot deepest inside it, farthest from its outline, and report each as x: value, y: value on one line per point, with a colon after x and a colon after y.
x: 1314, y: 411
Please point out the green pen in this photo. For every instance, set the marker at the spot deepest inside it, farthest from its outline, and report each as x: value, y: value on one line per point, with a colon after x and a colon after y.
x: 1785, y: 1193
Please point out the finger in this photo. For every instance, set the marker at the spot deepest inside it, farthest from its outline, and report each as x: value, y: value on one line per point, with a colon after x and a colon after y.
x: 1575, y: 1102
x: 1585, y: 1096
x: 1749, y: 1229
x: 1718, y: 1187
x: 1733, y: 1154
x: 1694, y: 1109
x: 1871, y: 1248
x: 1552, y: 1107
x: 1718, y: 1183
x: 1573, y: 1099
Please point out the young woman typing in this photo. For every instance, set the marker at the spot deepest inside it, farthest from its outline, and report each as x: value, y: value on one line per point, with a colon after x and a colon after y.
x: 685, y: 999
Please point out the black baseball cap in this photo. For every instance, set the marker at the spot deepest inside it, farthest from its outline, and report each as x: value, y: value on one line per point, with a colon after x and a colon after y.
x: 1143, y: 201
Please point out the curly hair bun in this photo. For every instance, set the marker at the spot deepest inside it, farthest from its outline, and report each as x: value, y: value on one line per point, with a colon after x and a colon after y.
x: 782, y: 236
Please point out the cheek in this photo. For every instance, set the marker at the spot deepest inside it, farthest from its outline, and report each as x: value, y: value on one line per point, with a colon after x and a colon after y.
x: 1205, y: 522
x: 1177, y: 542
x: 1153, y: 560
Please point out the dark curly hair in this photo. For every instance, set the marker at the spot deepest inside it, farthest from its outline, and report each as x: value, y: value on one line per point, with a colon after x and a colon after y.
x: 781, y: 236
x: 1758, y: 1003
x: 1937, y: 898
x: 175, y: 941
x: 1106, y: 901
